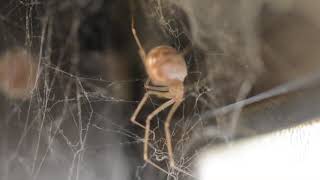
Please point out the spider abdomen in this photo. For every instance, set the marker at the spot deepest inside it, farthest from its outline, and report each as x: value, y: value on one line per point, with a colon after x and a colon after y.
x: 165, y: 66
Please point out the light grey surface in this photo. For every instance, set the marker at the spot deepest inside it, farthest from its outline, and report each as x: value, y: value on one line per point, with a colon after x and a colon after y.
x: 291, y: 153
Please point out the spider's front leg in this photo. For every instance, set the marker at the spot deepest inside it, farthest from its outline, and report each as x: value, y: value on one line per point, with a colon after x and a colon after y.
x: 139, y: 107
x: 146, y: 136
x: 176, y: 104
x: 155, y: 88
x: 168, y: 136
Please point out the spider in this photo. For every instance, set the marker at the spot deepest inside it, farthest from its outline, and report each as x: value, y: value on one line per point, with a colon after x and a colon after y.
x: 166, y: 69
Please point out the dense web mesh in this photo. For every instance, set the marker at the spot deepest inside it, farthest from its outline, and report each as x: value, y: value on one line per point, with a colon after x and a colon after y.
x: 71, y: 77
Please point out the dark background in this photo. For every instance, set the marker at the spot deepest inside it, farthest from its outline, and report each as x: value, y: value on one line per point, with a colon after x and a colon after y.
x: 76, y: 123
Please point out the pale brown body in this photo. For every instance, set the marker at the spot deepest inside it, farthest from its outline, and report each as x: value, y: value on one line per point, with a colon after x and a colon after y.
x: 166, y: 69
x: 165, y: 66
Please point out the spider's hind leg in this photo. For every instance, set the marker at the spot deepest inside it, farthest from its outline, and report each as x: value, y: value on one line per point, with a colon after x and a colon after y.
x: 142, y: 52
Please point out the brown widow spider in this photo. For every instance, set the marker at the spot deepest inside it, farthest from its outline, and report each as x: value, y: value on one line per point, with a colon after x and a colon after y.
x: 167, y: 70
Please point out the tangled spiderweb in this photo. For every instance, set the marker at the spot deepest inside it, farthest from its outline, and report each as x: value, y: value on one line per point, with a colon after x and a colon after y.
x: 71, y: 77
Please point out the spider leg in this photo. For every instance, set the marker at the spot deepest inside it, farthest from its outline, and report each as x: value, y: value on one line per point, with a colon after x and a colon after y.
x: 167, y: 131
x: 138, y: 109
x: 146, y: 137
x: 168, y: 137
x: 154, y: 88
x: 142, y: 52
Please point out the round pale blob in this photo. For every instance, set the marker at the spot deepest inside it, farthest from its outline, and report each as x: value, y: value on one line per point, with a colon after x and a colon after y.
x: 17, y: 74
x: 165, y: 66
